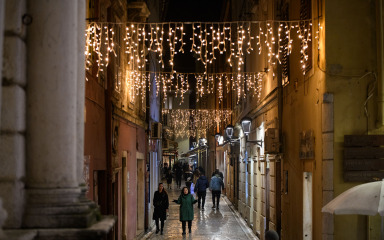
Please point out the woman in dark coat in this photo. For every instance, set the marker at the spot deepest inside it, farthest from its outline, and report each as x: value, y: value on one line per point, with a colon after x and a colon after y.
x: 161, y: 204
x: 186, y: 201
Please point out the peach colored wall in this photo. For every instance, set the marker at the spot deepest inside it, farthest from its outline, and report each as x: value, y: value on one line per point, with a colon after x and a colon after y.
x: 130, y: 136
x: 94, y: 129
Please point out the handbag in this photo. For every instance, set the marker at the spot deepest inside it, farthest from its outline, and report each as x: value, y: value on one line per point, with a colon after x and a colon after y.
x: 192, y: 189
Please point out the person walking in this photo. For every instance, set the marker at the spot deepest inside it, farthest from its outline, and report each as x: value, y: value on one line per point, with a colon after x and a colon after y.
x: 186, y: 201
x: 161, y: 204
x: 188, y: 179
x: 196, y: 175
x: 217, y: 171
x: 215, y: 186
x: 201, y: 190
x: 179, y: 174
x: 169, y: 178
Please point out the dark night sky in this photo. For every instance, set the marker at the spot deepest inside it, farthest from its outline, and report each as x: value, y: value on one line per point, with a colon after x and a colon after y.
x: 194, y: 10
x: 191, y: 11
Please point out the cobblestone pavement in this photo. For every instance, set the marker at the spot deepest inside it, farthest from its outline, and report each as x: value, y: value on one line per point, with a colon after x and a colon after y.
x: 223, y: 223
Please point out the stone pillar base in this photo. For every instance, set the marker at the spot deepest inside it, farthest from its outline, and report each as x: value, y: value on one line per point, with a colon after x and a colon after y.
x: 97, y: 231
x: 59, y: 208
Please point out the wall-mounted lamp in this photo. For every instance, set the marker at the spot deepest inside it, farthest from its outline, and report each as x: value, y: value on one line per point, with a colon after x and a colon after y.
x: 246, y: 123
x: 217, y: 136
x: 220, y: 139
x: 229, y: 131
x: 202, y: 142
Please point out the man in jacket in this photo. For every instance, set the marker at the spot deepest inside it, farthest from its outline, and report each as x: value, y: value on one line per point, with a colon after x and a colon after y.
x: 201, y: 189
x: 217, y: 171
x: 215, y: 186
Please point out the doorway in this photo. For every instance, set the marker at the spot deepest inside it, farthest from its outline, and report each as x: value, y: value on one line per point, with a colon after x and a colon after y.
x: 307, y: 206
x: 140, y: 196
x: 124, y: 197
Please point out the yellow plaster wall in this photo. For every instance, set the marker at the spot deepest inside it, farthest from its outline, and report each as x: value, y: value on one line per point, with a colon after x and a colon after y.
x: 350, y: 49
x: 302, y: 111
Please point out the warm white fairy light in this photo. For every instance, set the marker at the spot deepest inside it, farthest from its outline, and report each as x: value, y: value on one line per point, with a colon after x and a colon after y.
x: 186, y: 122
x: 208, y: 41
x: 205, y: 40
x: 177, y: 83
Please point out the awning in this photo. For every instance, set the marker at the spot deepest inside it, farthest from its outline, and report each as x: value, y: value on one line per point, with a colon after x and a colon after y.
x: 194, y: 151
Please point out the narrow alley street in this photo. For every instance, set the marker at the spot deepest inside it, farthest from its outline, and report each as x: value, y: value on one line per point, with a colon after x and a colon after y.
x: 222, y: 223
x: 278, y: 104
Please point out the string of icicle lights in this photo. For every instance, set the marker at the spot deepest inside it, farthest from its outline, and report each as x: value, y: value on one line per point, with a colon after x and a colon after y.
x: 220, y: 83
x: 207, y: 42
x: 194, y: 122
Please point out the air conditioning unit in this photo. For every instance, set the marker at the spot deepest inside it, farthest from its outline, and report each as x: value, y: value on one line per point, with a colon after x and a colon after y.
x: 272, y: 141
x: 165, y: 144
x: 156, y: 129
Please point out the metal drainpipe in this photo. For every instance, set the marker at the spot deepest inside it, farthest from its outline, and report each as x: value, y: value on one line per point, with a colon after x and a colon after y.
x: 380, y: 63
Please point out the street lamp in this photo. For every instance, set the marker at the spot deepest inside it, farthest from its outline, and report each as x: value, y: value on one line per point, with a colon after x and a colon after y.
x: 202, y: 142
x: 217, y: 136
x: 229, y: 131
x: 246, y: 123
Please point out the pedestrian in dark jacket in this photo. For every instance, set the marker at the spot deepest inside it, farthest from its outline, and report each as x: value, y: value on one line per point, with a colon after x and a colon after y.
x: 201, y: 189
x: 215, y: 186
x: 188, y: 179
x: 161, y: 204
x: 179, y: 173
x: 169, y: 178
x: 186, y: 201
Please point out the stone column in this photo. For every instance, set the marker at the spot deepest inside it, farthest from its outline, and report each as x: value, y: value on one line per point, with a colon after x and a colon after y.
x: 2, y: 20
x: 3, y: 213
x: 13, y: 113
x: 80, y: 90
x: 54, y: 198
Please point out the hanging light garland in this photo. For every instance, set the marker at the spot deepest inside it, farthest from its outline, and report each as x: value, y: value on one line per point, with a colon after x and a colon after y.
x: 193, y: 122
x: 177, y: 83
x: 208, y: 40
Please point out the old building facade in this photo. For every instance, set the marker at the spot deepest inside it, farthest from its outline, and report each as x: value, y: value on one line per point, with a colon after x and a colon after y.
x: 79, y: 142
x: 310, y: 100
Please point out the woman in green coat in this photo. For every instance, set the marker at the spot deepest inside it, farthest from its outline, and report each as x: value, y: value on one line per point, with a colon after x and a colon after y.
x: 186, y: 201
